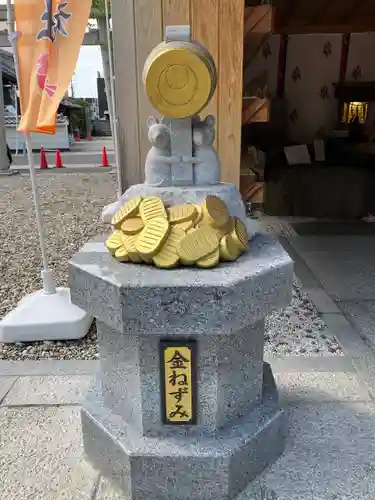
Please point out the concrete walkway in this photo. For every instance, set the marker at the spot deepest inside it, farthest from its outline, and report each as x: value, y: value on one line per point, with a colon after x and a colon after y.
x: 344, y: 266
x: 330, y: 452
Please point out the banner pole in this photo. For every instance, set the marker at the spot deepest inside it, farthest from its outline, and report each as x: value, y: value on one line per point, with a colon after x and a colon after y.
x: 113, y: 103
x: 48, y: 281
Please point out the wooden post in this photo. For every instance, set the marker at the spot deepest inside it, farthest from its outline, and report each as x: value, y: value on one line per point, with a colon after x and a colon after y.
x: 138, y: 26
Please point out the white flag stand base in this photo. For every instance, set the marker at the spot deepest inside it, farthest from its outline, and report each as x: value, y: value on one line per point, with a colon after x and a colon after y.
x: 45, y: 316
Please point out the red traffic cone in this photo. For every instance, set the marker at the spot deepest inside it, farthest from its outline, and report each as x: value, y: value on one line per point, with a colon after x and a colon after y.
x: 59, y: 163
x: 43, y: 159
x: 105, y: 158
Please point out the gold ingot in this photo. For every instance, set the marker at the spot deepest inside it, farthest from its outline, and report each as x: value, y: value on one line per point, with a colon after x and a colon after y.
x: 212, y: 260
x: 132, y: 226
x: 129, y: 209
x: 181, y: 213
x: 228, y: 249
x: 240, y: 236
x: 199, y: 216
x: 197, y: 245
x: 129, y: 243
x: 152, y: 208
x: 186, y: 226
x: 122, y: 254
x: 168, y: 256
x: 179, y: 79
x: 152, y: 237
x: 215, y: 211
x: 226, y: 229
x: 114, y: 242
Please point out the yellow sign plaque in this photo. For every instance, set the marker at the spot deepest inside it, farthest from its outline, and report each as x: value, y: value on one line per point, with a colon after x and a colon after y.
x: 178, y: 383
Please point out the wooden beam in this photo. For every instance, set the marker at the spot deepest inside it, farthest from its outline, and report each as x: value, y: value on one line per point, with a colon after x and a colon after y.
x: 149, y: 33
x: 205, y: 30
x: 302, y: 29
x: 231, y: 21
x: 175, y: 12
x: 124, y: 41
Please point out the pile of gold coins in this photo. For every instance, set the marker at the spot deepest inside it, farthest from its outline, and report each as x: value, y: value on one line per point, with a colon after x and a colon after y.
x: 146, y: 231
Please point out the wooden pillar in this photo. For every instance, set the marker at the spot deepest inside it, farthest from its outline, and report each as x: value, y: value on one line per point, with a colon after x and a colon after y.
x: 138, y: 26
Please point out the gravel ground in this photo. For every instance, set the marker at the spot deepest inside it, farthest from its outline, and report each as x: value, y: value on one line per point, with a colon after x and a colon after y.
x: 71, y: 205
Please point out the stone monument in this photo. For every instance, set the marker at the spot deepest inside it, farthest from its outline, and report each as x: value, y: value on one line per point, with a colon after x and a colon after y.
x: 183, y: 406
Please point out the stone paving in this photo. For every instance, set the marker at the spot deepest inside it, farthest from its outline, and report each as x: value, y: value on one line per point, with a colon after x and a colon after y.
x: 330, y: 452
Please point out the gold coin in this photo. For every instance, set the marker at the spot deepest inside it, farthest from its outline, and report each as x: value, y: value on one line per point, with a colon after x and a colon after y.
x: 129, y: 243
x: 168, y: 256
x: 199, y: 216
x: 152, y: 237
x: 114, y: 242
x: 132, y: 226
x: 240, y: 236
x: 226, y: 229
x: 197, y: 245
x: 129, y: 209
x: 211, y: 260
x: 122, y: 254
x: 185, y: 225
x: 151, y: 208
x: 228, y: 249
x: 215, y: 211
x: 181, y: 213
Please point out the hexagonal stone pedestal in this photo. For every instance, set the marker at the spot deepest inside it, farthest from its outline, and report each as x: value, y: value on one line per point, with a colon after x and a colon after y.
x: 237, y: 427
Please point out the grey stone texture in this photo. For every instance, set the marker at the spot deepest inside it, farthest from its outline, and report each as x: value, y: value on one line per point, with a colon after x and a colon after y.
x: 143, y: 300
x: 240, y: 427
x: 211, y: 466
x: 229, y: 379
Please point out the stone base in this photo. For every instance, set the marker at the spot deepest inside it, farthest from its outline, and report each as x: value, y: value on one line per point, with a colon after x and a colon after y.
x: 212, y: 466
x: 188, y: 194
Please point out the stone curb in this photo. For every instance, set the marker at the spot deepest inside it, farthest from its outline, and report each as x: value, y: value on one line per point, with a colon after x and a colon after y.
x: 351, y: 342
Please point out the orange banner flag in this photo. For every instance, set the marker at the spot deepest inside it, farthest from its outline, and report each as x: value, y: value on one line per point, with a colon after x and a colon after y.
x: 50, y: 35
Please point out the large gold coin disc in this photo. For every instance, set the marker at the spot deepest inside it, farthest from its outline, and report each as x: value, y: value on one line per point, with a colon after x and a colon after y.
x: 197, y: 245
x: 129, y: 209
x: 215, y: 212
x: 178, y: 80
x: 168, y: 256
x: 152, y: 237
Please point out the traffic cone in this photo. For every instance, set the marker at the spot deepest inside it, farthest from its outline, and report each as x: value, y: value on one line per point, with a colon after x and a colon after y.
x: 43, y: 159
x: 105, y: 158
x: 59, y: 163
x: 89, y: 137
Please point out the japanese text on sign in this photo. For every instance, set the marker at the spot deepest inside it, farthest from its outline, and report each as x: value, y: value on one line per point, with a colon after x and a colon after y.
x: 178, y: 384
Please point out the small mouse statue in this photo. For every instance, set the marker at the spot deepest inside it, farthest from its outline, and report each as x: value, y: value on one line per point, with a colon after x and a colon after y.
x: 207, y: 169
x: 158, y: 167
